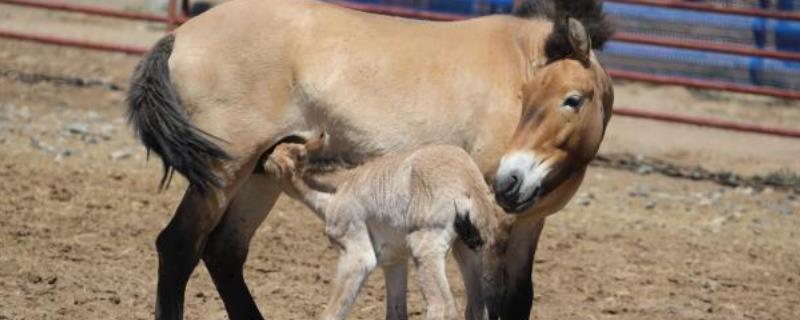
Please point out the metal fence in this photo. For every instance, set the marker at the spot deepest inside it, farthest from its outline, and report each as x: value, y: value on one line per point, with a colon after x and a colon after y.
x: 744, y: 46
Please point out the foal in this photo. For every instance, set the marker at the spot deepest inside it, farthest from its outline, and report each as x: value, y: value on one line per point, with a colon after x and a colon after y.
x: 408, y: 204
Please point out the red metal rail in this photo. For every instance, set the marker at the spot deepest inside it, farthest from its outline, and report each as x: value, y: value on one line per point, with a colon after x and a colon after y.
x: 619, y: 36
x: 107, y: 12
x: 673, y: 4
x: 704, y: 84
x: 174, y: 18
x: 705, y: 46
x: 72, y: 42
x: 630, y: 75
x: 708, y: 122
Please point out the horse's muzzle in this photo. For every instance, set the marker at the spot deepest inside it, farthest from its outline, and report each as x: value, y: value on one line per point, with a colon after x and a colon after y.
x: 518, y: 182
x: 508, y: 195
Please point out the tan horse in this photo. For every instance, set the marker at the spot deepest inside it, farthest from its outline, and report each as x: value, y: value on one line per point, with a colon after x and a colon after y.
x: 523, y: 94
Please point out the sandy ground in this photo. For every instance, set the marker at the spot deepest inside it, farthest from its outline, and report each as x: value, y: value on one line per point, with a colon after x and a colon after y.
x: 79, y: 210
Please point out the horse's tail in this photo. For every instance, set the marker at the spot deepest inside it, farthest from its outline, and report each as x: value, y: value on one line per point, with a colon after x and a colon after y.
x: 155, y: 112
x: 464, y: 223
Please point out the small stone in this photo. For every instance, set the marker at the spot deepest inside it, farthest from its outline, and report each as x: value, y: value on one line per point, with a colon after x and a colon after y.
x: 650, y: 204
x: 36, y: 144
x: 639, y: 191
x: 64, y: 154
x: 717, y: 222
x: 729, y: 179
x: 644, y: 169
x: 24, y: 113
x: 92, y: 115
x: 785, y: 209
x: 33, y: 278
x: 120, y: 154
x: 697, y: 174
x: 584, y: 199
x: 746, y: 190
x: 107, y: 131
x: 78, y: 128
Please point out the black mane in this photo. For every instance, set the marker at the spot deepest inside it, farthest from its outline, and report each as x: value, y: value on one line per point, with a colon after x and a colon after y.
x: 588, y: 12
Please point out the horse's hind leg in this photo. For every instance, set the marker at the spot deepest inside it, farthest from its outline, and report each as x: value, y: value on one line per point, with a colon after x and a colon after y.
x: 227, y: 247
x: 181, y: 244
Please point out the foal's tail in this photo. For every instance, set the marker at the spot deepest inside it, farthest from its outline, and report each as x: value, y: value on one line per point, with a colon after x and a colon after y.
x: 464, y: 224
x: 155, y: 112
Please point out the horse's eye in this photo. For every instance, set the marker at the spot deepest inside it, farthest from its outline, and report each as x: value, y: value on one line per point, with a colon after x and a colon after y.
x: 573, y: 102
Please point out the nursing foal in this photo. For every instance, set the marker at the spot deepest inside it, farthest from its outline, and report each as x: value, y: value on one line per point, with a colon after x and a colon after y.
x: 407, y: 204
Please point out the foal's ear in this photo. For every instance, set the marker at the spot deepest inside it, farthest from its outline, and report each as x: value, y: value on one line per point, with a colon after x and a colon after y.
x: 579, y: 40
x: 317, y: 141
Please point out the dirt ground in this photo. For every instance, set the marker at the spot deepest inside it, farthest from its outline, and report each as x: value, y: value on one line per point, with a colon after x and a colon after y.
x: 79, y: 209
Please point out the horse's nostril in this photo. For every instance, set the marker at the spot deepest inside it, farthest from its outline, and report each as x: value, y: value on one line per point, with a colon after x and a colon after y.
x: 507, y: 184
x: 516, y: 176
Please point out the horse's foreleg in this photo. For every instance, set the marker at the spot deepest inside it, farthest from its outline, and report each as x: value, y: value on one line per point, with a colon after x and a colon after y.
x: 518, y: 298
x: 227, y: 247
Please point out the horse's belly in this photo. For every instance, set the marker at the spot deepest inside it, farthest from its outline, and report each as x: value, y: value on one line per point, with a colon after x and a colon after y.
x: 360, y: 131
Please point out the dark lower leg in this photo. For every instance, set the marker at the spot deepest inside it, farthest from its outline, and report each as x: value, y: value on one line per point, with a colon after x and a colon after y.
x: 518, y: 300
x: 179, y: 247
x: 227, y: 273
x: 175, y: 264
x: 228, y: 246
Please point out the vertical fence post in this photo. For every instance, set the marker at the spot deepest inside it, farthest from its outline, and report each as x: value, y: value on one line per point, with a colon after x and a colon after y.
x: 172, y: 15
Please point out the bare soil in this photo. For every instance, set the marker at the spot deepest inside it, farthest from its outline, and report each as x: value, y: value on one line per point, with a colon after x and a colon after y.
x: 79, y: 210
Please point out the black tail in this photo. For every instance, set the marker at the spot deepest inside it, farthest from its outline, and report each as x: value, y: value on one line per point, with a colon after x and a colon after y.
x: 464, y: 227
x: 155, y: 112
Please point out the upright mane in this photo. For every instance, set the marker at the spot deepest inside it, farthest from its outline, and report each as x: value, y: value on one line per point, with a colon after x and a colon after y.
x: 588, y: 12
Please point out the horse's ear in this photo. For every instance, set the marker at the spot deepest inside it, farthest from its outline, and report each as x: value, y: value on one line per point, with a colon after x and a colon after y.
x: 579, y: 40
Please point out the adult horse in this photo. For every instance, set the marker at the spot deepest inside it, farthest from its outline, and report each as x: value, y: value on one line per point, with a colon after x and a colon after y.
x: 523, y: 95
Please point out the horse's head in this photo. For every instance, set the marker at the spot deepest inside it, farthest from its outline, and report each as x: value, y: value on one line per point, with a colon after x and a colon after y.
x: 566, y: 106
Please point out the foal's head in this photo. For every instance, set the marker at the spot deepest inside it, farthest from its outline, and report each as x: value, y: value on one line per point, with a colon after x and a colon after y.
x: 288, y: 157
x: 566, y: 106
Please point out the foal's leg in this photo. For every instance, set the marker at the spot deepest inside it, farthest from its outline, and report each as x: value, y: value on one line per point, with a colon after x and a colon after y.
x: 469, y: 263
x: 429, y: 248
x: 396, y: 290
x: 229, y: 243
x: 355, y: 263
